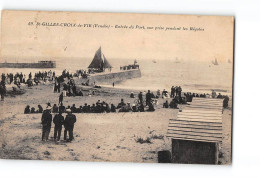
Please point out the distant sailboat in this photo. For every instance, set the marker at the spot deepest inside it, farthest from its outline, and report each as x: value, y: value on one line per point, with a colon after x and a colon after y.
x: 215, y: 62
x: 177, y: 60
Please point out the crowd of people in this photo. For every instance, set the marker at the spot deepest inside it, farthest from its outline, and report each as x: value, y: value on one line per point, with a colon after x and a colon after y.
x: 146, y: 101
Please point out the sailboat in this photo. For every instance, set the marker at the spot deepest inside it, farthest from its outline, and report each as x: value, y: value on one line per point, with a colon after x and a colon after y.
x: 215, y: 62
x: 99, y: 62
x: 177, y: 60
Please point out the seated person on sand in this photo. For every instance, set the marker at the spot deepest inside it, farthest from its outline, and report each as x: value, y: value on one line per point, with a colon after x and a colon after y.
x: 98, y: 108
x: 132, y: 95
x: 92, y: 108
x: 166, y: 104
x: 27, y: 110
x: 141, y: 107
x: 48, y: 105
x: 173, y: 104
x: 184, y: 100
x: 62, y: 108
x: 134, y: 108
x: 150, y: 107
x: 55, y: 109
x: 79, y: 110
x: 219, y: 96
x: 29, y: 83
x: 73, y: 108
x: 40, y: 109
x: 85, y: 108
x: 126, y: 108
x: 165, y: 94
x: 121, y: 104
x: 107, y: 108
x: 67, y: 109
x: 33, y: 110
x: 80, y: 93
x: 36, y: 81
x: 98, y: 102
x: 88, y: 109
x: 113, y: 108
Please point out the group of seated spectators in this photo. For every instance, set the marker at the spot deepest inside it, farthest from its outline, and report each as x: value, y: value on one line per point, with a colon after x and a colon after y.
x: 99, y: 107
x: 173, y: 104
x: 29, y: 110
x: 187, y: 97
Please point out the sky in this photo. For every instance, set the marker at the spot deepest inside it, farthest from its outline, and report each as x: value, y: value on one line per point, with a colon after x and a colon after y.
x: 23, y: 40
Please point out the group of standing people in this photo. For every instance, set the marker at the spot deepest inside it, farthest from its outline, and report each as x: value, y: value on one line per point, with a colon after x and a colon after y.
x: 59, y: 121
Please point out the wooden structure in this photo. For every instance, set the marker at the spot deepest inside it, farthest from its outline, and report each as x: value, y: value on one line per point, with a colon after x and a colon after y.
x: 213, y: 104
x: 197, y: 132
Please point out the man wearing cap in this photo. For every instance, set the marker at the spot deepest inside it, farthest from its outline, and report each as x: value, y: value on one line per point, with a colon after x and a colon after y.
x: 58, y: 120
x: 69, y: 122
x: 46, y: 123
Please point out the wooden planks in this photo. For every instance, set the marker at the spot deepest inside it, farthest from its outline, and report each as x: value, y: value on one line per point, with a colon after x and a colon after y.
x: 200, y: 121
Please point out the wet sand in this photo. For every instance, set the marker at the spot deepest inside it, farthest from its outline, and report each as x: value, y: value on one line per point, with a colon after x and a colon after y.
x: 98, y: 137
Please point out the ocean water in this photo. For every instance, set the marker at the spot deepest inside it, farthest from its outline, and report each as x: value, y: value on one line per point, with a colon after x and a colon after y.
x: 192, y: 76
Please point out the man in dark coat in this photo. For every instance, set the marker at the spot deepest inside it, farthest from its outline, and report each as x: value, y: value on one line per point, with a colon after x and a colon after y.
x: 172, y: 91
x: 58, y: 120
x: 55, y: 108
x: 140, y: 97
x: 69, y: 122
x: 46, y: 123
x: 148, y: 98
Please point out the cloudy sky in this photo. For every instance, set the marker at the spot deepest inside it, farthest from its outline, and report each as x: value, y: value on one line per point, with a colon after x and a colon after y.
x: 21, y: 41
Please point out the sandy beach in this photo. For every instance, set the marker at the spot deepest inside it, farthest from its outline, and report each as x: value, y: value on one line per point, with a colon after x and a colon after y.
x: 106, y: 137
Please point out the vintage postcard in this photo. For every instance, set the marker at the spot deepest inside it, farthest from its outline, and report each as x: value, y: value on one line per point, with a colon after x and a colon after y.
x: 116, y: 87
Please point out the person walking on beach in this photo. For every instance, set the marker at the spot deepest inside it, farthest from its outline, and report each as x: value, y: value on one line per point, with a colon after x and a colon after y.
x: 69, y: 122
x: 46, y: 123
x: 140, y: 97
x: 61, y: 98
x: 113, y: 84
x: 58, y: 120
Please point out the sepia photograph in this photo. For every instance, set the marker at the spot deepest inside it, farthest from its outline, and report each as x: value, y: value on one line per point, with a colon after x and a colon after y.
x: 116, y: 87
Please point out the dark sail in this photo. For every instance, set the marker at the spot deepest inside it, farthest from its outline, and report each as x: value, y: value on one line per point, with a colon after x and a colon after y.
x: 99, y: 61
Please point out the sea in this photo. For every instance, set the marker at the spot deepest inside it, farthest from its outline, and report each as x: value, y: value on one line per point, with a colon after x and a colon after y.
x: 192, y: 76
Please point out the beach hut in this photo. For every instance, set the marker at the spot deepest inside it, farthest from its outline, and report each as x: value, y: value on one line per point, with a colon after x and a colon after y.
x: 196, y: 134
x: 214, y: 104
x: 99, y: 62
